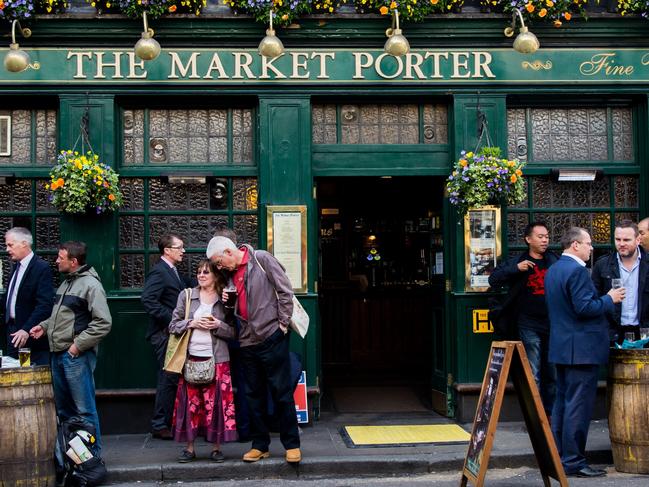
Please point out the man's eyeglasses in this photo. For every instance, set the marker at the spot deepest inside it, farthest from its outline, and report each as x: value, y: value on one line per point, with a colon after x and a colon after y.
x: 177, y: 247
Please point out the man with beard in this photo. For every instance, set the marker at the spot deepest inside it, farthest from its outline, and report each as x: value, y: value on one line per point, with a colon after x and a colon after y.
x: 630, y: 264
x: 525, y: 305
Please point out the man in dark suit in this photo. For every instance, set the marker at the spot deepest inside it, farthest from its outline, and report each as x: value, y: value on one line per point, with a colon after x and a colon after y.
x: 159, y: 298
x: 578, y: 345
x: 30, y: 296
x: 630, y: 264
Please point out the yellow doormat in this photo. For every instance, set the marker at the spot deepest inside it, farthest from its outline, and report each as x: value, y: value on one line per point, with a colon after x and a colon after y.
x: 403, y: 435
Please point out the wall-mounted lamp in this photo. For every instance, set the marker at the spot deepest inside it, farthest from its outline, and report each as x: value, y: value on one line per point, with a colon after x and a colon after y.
x: 564, y: 175
x: 187, y: 179
x: 147, y: 48
x: 17, y: 60
x: 397, y: 44
x: 270, y: 46
x: 525, y: 42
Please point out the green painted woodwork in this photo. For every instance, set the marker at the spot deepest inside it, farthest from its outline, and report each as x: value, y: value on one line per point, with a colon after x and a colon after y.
x: 220, y: 67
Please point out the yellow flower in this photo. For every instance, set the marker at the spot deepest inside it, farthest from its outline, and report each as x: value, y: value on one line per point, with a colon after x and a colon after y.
x: 47, y: 186
x: 519, y: 172
x: 511, y: 163
x: 469, y: 154
x: 549, y: 3
x: 383, y: 10
x: 543, y: 12
x: 393, y: 5
x: 285, y: 17
x: 463, y: 162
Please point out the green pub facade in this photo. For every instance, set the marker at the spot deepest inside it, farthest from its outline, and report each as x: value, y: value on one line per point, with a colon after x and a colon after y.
x: 354, y: 141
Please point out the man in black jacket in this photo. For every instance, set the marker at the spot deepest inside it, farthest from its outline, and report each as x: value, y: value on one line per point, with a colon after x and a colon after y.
x: 159, y: 298
x: 630, y: 264
x: 30, y: 296
x: 525, y: 305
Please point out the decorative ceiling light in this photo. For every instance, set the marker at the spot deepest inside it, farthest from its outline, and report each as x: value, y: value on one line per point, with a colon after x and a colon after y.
x: 270, y: 46
x: 525, y: 42
x: 397, y: 44
x: 147, y: 48
x: 17, y: 60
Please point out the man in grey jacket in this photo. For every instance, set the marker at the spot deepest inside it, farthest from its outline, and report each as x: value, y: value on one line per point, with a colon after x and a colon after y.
x: 79, y: 321
x: 264, y: 307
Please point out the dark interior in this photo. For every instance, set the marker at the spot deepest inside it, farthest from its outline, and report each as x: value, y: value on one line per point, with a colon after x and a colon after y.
x: 381, y: 293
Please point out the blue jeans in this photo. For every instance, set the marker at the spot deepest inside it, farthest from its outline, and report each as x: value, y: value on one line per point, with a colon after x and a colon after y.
x: 545, y: 374
x: 74, y: 388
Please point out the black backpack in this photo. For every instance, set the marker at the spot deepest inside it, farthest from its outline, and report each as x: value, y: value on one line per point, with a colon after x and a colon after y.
x: 69, y: 473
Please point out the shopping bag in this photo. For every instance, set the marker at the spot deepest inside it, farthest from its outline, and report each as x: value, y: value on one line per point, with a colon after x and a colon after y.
x: 176, y: 353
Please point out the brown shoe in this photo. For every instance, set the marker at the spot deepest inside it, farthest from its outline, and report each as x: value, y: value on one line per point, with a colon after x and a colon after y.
x: 163, y: 434
x: 254, y: 455
x: 293, y: 455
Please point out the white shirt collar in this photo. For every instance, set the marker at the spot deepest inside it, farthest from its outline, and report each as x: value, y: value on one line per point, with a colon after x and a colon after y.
x: 24, y: 262
x: 168, y: 262
x: 572, y: 256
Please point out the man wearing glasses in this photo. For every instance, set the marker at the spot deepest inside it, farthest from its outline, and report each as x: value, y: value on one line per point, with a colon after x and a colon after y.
x: 159, y: 298
x: 578, y: 346
x: 627, y: 267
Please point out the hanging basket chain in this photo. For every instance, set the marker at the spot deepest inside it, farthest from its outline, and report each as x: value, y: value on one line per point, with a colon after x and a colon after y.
x: 84, y: 136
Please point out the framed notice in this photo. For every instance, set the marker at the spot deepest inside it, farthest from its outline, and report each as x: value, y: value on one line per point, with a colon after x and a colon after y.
x: 5, y: 135
x: 481, y: 246
x: 287, y: 241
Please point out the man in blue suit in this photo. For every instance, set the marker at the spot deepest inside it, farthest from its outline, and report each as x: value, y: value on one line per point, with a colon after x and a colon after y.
x: 159, y: 298
x: 578, y: 345
x: 30, y: 296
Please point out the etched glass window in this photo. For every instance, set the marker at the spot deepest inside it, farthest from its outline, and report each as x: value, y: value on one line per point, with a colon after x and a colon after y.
x: 595, y: 206
x: 154, y: 207
x: 29, y: 137
x: 598, y: 134
x: 379, y: 124
x: 25, y: 203
x: 211, y: 136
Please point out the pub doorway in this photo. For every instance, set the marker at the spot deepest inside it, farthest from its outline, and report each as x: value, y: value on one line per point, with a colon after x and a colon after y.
x: 381, y: 291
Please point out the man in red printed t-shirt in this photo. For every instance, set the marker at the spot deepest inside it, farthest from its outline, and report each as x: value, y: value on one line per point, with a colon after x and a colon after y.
x: 524, y: 275
x: 264, y: 307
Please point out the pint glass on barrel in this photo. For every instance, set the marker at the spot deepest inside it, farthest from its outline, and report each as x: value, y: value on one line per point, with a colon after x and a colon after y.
x: 24, y: 357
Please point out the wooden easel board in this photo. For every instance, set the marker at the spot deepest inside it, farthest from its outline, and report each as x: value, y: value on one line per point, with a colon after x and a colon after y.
x: 508, y: 360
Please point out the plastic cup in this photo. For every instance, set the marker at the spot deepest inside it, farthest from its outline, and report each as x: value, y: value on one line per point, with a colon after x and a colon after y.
x: 24, y: 357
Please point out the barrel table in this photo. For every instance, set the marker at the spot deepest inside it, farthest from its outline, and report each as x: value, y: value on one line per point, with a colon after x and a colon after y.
x: 628, y: 409
x: 27, y: 427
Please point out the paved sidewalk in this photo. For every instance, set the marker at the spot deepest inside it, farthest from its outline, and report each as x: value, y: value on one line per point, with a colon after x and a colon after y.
x: 132, y: 458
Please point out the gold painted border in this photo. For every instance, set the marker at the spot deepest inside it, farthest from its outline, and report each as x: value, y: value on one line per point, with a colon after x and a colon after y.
x: 301, y: 209
x: 467, y: 244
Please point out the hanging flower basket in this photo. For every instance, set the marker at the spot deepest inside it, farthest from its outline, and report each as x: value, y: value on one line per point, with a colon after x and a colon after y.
x: 81, y: 184
x: 483, y: 178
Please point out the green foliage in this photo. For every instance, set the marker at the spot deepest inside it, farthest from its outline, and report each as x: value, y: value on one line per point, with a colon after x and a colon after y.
x: 412, y: 10
x: 483, y: 178
x: 80, y: 183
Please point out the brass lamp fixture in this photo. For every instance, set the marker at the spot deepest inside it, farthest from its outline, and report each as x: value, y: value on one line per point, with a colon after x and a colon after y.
x: 17, y: 60
x: 525, y: 42
x: 271, y: 46
x: 397, y: 44
x: 147, y: 48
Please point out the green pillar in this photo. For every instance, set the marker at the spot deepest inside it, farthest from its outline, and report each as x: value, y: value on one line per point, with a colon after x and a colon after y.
x: 97, y: 231
x: 285, y: 179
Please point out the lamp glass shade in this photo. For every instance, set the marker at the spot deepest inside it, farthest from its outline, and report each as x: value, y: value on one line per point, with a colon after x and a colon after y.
x: 526, y: 42
x: 271, y: 46
x: 397, y: 44
x: 147, y: 48
x: 16, y: 60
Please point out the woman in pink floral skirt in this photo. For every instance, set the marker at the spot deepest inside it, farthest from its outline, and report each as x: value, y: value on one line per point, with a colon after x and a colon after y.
x: 205, y: 409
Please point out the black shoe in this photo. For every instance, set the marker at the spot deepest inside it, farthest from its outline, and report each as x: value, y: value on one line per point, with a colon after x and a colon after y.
x: 186, y: 456
x: 217, y: 456
x: 162, y: 434
x: 588, y: 472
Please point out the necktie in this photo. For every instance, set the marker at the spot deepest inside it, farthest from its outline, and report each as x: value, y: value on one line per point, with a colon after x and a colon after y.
x: 10, y: 294
x: 177, y: 275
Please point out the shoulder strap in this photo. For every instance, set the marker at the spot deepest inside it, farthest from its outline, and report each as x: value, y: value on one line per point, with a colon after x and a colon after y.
x: 254, y: 254
x: 188, y: 299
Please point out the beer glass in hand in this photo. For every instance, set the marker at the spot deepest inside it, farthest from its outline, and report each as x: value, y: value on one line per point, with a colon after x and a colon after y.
x: 231, y: 296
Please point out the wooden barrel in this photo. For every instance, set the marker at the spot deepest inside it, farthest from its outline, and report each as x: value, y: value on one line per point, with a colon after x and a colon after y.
x: 27, y: 427
x: 628, y: 409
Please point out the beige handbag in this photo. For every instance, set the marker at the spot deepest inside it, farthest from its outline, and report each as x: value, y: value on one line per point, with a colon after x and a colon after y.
x: 176, y: 353
x: 199, y: 371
